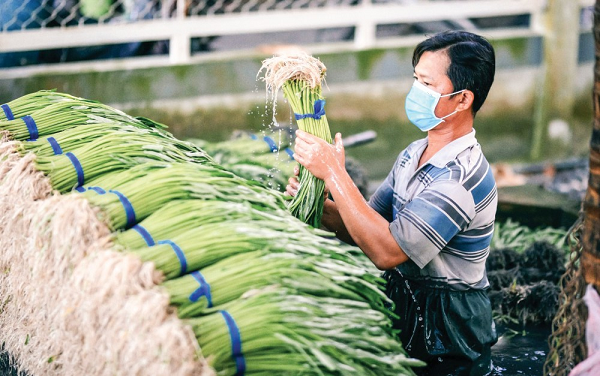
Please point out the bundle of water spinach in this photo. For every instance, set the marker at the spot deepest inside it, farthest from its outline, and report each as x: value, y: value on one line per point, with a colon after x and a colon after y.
x: 31, y: 102
x: 279, y: 332
x: 256, y: 157
x: 300, y: 77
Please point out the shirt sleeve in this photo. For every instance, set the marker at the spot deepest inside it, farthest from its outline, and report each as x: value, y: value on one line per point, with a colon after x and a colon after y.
x: 427, y: 223
x: 383, y: 198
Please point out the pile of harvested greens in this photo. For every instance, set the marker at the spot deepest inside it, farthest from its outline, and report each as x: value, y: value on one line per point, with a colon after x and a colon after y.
x: 264, y: 292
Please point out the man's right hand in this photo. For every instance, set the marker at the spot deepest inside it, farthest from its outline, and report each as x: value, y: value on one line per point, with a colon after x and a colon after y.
x: 293, y: 183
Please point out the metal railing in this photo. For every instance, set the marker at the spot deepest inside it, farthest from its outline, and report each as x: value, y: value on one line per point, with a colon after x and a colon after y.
x: 41, y: 25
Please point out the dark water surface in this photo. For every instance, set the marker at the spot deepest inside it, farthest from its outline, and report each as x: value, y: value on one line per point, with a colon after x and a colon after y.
x: 521, y: 353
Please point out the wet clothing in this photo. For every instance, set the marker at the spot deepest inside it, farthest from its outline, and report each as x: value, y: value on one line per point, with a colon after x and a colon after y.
x: 452, y: 331
x: 442, y: 216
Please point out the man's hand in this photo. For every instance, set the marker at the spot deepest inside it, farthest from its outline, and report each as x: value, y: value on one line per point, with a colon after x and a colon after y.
x: 317, y: 156
x: 293, y: 185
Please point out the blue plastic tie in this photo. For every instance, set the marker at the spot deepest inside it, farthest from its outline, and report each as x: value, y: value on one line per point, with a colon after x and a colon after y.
x: 144, y: 234
x: 319, y: 111
x: 179, y: 253
x: 129, y: 211
x: 78, y: 168
x: 98, y: 190
x: 55, y: 146
x: 31, y: 127
x: 203, y: 290
x: 271, y: 143
x: 290, y: 152
x: 236, y: 343
x: 7, y: 112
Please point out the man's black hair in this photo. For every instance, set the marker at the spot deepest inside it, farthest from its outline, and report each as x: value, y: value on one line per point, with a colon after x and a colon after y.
x: 472, y: 61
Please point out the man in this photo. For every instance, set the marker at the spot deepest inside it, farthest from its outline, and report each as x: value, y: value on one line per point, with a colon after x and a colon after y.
x: 429, y: 225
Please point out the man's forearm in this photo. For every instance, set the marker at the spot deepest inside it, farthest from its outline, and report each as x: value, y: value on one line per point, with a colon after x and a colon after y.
x: 333, y: 222
x: 365, y: 226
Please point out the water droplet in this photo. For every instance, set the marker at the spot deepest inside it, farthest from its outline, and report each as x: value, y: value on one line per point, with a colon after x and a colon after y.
x: 440, y: 360
x: 420, y: 318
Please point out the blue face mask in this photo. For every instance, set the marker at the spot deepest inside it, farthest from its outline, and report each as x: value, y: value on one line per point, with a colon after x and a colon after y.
x: 420, y: 106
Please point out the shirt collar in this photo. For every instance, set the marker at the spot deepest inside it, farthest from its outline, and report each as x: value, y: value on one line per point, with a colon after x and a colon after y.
x: 449, y: 152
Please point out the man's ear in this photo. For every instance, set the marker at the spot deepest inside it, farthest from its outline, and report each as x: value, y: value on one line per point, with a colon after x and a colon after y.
x: 466, y: 99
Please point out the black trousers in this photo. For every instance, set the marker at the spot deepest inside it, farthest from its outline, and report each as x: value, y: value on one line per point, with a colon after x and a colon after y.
x: 452, y: 331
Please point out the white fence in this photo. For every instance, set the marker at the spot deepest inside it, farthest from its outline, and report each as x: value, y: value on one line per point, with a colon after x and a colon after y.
x: 81, y: 23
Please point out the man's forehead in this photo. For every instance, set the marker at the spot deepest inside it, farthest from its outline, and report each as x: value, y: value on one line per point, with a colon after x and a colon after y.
x: 432, y: 64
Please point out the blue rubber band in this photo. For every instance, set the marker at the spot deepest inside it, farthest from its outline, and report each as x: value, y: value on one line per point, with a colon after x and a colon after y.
x: 7, y: 112
x: 319, y: 111
x: 55, y: 146
x: 144, y: 234
x: 236, y: 343
x: 129, y: 211
x: 179, y: 253
x: 78, y: 168
x: 271, y: 143
x: 290, y: 152
x: 98, y: 190
x: 31, y: 127
x: 203, y: 290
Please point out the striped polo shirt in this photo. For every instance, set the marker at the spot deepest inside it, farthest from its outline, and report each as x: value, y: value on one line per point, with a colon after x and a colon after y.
x: 442, y: 213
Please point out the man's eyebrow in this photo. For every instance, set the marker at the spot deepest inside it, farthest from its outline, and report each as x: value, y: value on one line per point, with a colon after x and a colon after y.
x: 422, y: 75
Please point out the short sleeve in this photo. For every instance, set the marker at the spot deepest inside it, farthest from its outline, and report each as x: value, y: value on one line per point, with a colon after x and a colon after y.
x: 382, y: 199
x: 427, y: 223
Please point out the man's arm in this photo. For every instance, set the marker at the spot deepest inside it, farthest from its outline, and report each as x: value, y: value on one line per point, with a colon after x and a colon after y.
x: 333, y: 222
x: 366, y: 227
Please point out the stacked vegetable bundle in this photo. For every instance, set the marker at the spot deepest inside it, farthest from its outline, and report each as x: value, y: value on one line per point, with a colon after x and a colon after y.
x: 256, y: 157
x: 264, y: 292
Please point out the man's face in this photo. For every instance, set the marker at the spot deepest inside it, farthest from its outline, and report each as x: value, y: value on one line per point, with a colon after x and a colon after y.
x: 431, y: 71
